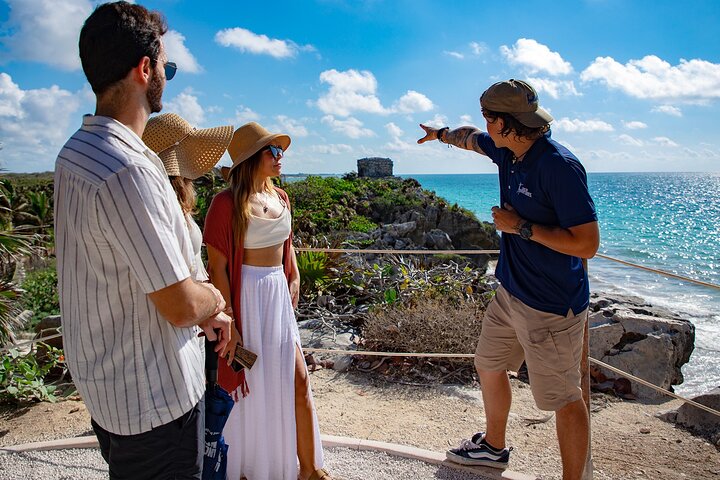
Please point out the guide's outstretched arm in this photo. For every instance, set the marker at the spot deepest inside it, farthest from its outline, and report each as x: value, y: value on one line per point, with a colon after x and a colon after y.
x: 461, y: 137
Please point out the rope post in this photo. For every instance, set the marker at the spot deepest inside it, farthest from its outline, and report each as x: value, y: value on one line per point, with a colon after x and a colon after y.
x: 585, y: 385
x: 585, y: 379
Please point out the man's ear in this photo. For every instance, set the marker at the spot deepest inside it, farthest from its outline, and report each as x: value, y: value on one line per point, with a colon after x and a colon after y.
x: 142, y: 71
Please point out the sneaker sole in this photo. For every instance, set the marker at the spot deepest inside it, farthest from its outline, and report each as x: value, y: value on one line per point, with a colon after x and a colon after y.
x: 475, y: 462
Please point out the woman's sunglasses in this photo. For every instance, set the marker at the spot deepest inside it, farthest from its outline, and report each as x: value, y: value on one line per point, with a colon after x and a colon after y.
x: 275, y: 151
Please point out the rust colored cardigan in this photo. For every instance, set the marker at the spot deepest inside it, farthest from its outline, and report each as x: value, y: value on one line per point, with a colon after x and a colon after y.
x: 218, y: 233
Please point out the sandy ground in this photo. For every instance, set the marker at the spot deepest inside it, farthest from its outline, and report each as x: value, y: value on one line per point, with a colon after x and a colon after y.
x: 628, y: 441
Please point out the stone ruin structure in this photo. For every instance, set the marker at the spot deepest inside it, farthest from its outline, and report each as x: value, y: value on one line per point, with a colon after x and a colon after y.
x: 375, y: 167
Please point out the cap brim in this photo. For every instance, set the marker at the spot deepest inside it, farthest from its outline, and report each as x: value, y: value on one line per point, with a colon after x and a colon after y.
x: 537, y: 119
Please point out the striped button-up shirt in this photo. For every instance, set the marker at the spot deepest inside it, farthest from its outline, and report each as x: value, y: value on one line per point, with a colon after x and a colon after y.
x: 120, y: 234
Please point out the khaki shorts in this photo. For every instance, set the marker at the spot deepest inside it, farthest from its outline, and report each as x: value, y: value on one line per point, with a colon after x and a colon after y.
x: 550, y: 344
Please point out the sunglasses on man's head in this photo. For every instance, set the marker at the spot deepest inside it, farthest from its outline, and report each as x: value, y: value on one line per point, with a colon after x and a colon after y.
x: 170, y: 70
x: 275, y: 151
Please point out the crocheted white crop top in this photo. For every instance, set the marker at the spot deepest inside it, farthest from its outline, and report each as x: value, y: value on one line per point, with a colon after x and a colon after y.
x: 265, y: 232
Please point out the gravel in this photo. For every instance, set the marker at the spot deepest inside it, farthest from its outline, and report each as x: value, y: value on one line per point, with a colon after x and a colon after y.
x: 87, y: 464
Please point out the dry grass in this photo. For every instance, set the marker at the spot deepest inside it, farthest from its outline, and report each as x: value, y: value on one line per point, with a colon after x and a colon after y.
x: 426, y: 325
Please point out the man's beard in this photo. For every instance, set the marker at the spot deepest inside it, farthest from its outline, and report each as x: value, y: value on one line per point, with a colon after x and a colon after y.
x: 154, y: 92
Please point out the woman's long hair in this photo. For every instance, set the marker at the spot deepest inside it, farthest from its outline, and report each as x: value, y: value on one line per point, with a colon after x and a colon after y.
x: 242, y: 183
x: 185, y: 192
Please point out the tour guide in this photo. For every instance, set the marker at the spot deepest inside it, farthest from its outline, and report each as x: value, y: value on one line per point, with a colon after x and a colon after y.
x: 549, y: 225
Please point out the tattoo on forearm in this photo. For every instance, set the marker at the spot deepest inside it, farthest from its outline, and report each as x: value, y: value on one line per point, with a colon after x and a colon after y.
x: 463, y: 137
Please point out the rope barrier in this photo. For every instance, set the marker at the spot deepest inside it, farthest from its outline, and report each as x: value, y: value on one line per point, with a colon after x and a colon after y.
x: 470, y: 355
x: 495, y: 252
x: 655, y: 387
x: 659, y: 272
x: 399, y: 252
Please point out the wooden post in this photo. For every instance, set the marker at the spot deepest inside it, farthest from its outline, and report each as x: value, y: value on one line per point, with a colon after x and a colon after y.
x: 585, y: 385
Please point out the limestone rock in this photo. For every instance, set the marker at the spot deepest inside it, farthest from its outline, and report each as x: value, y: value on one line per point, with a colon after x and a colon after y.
x: 648, y: 342
x: 700, y: 421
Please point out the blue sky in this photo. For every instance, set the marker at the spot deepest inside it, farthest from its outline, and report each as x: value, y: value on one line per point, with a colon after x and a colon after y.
x: 633, y: 85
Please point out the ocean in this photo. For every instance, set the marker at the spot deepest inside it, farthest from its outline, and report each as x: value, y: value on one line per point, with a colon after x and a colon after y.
x: 667, y: 221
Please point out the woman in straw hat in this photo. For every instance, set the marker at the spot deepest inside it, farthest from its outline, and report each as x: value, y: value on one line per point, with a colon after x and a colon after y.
x: 187, y: 153
x: 273, y: 425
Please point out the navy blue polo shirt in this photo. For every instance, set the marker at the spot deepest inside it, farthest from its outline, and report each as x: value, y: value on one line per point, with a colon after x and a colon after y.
x: 548, y: 187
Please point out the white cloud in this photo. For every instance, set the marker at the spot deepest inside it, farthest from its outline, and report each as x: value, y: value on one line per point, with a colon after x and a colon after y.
x: 413, y: 102
x: 554, y: 88
x: 331, y: 148
x: 438, y: 121
x: 582, y: 126
x: 665, y: 142
x: 397, y: 144
x: 244, y: 115
x: 655, y: 79
x: 668, y: 110
x: 630, y: 140
x: 46, y: 31
x: 356, y: 91
x: 177, y: 52
x: 187, y: 106
x: 466, y: 119
x: 350, y: 91
x: 34, y: 124
x: 478, y: 48
x: 394, y: 130
x: 351, y: 127
x: 635, y: 125
x: 247, y: 41
x: 291, y: 126
x: 457, y: 55
x: 535, y: 57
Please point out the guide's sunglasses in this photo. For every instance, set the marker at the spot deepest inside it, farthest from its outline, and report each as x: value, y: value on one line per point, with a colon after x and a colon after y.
x: 170, y: 70
x: 275, y: 151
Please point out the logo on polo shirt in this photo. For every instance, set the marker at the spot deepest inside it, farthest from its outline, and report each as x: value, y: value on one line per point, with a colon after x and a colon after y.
x: 523, y: 189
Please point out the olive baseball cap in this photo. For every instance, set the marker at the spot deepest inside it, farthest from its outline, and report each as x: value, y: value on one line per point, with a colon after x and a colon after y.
x: 518, y: 99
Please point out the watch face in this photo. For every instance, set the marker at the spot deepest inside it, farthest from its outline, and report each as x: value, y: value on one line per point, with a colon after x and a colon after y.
x: 526, y: 231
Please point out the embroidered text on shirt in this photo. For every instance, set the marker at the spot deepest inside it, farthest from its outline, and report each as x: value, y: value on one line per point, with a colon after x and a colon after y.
x: 522, y: 189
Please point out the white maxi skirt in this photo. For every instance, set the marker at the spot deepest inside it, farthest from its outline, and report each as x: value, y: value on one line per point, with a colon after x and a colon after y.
x: 261, y: 430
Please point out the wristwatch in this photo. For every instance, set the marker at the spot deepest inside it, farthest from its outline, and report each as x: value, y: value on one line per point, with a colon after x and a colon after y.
x: 525, y: 231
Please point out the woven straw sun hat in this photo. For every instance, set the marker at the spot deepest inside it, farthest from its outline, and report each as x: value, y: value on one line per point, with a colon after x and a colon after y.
x: 184, y: 150
x: 250, y: 138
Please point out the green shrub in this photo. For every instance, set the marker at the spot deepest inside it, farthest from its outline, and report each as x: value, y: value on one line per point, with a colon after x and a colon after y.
x: 41, y: 294
x: 22, y: 377
x: 362, y: 224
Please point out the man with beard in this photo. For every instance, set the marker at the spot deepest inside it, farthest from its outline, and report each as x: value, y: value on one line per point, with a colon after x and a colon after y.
x: 130, y: 310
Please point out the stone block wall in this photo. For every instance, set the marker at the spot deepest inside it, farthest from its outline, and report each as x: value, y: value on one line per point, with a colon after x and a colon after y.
x: 375, y: 167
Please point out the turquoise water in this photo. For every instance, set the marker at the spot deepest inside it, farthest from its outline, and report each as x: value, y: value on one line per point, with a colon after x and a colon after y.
x: 668, y: 221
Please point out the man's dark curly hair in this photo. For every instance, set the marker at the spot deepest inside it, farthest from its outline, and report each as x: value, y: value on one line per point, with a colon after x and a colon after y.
x: 513, y: 125
x: 113, y: 40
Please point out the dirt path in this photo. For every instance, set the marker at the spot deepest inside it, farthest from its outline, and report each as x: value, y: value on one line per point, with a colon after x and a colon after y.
x: 362, y: 406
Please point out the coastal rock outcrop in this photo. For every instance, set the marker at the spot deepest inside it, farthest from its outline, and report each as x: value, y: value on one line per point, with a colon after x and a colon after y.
x: 426, y: 223
x: 648, y: 342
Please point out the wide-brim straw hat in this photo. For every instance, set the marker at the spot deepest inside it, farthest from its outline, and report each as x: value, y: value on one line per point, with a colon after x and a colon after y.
x: 184, y: 150
x: 249, y: 139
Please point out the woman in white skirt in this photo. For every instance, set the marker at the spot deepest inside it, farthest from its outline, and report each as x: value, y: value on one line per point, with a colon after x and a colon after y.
x: 272, y: 431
